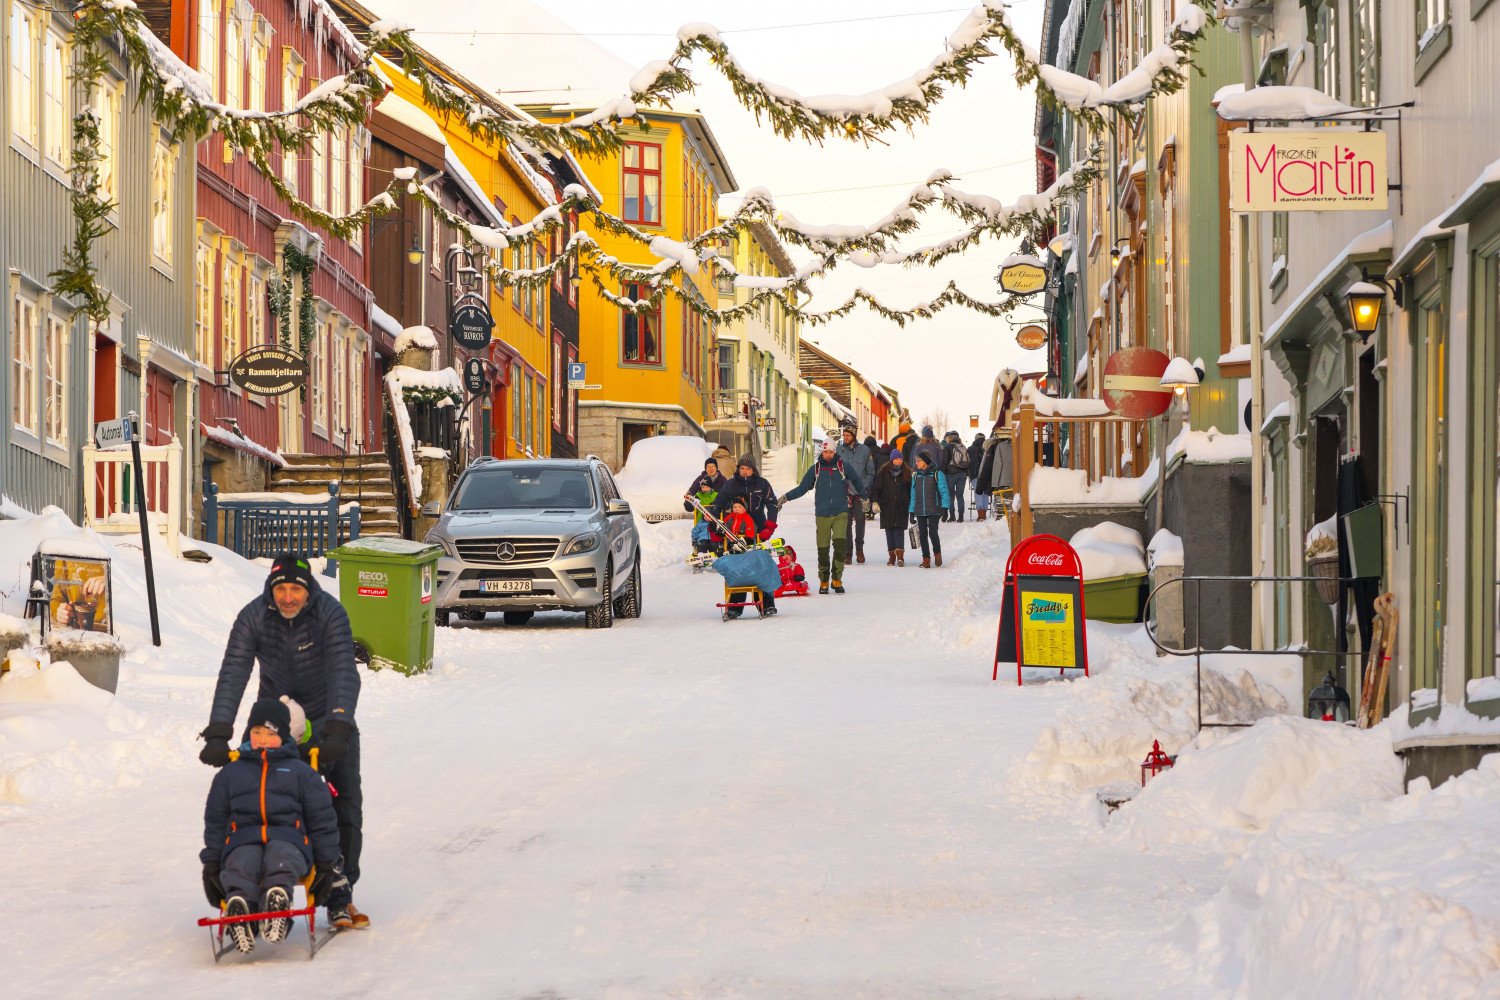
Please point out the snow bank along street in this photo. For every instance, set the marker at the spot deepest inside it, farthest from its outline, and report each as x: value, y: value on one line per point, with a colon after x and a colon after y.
x: 836, y: 802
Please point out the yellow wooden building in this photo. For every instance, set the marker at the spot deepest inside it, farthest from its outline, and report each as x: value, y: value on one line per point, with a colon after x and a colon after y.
x: 526, y: 365
x: 654, y: 372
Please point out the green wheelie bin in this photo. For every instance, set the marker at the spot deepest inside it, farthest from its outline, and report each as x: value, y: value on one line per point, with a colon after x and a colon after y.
x: 389, y: 586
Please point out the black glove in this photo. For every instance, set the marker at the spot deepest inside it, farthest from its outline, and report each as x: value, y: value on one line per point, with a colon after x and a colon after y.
x: 212, y: 887
x: 326, y: 879
x: 334, y: 742
x: 215, y: 752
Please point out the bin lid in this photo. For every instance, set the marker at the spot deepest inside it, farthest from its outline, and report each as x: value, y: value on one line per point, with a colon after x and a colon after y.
x: 382, y: 549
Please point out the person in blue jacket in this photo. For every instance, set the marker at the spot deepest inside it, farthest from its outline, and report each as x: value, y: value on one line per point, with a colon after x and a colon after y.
x: 833, y: 484
x: 929, y: 498
x: 269, y: 817
x: 301, y: 638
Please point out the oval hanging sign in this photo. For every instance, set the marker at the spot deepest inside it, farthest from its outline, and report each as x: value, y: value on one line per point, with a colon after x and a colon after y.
x: 269, y: 371
x: 471, y: 324
x: 1023, y: 278
x: 1032, y: 336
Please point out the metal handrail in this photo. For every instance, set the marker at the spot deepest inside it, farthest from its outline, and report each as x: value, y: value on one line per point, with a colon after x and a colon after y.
x: 1197, y: 651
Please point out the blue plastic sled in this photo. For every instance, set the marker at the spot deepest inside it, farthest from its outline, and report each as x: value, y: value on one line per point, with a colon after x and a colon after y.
x: 756, y: 568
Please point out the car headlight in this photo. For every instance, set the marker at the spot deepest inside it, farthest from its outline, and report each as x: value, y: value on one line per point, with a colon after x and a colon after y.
x: 583, y: 543
x: 445, y: 544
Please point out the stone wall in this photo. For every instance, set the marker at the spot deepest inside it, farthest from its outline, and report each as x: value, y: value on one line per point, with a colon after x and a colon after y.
x: 1208, y: 506
x: 601, y: 429
x: 232, y: 471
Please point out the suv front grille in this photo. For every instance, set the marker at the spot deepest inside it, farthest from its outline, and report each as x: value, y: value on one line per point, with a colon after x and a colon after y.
x: 486, y: 551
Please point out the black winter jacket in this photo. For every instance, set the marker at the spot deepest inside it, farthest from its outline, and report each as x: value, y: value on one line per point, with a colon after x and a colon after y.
x: 270, y: 795
x: 715, y: 483
x: 892, y: 491
x: 310, y: 658
x: 760, y: 498
x: 976, y: 458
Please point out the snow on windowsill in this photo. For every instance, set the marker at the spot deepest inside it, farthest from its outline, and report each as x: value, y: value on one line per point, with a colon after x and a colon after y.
x: 229, y: 439
x: 1237, y: 355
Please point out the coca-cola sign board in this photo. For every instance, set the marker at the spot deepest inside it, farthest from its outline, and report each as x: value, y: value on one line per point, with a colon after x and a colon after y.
x: 1132, y: 383
x: 1042, y: 609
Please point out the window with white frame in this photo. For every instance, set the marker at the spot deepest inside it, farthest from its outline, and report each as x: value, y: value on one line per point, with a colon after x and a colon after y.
x: 260, y: 57
x: 557, y: 384
x: 208, y: 43
x: 356, y: 189
x: 356, y: 383
x: 24, y: 358
x: 163, y: 181
x: 204, y: 313
x: 234, y: 59
x: 1325, y: 40
x: 319, y: 194
x: 1364, y: 27
x: 107, y: 110
x: 570, y: 423
x: 319, y: 377
x: 291, y: 91
x: 57, y: 102
x: 256, y: 306
x: 340, y: 386
x: 55, y: 382
x: 516, y: 394
x: 233, y: 325
x: 539, y: 422
x: 23, y: 73
x: 338, y: 165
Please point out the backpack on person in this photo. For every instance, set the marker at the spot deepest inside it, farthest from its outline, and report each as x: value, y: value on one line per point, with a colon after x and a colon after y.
x: 958, y: 456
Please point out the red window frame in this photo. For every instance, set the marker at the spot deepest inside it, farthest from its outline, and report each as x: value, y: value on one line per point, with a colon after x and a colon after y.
x: 639, y: 174
x: 647, y: 328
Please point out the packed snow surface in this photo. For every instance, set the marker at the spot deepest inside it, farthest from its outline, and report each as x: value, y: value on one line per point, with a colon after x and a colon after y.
x: 836, y: 802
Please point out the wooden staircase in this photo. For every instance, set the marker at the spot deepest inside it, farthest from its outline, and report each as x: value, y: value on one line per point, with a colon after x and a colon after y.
x: 365, y: 478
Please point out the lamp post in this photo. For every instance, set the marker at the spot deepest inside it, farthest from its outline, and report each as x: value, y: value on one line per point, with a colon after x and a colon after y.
x: 1366, y: 299
x: 1328, y: 701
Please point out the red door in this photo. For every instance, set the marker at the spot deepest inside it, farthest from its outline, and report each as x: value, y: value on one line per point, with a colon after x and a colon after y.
x: 161, y: 409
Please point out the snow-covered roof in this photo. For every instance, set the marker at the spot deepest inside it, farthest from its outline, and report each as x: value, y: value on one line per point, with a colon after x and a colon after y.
x: 241, y: 443
x: 1286, y: 103
x: 417, y: 336
x: 399, y: 109
x: 1371, y: 241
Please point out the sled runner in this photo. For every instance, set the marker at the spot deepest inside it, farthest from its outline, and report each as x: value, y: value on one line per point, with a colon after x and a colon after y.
x: 218, y: 925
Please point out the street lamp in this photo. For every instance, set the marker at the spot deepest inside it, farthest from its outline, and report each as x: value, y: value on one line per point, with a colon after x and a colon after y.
x: 1328, y: 701
x: 414, y: 253
x: 1365, y: 300
x: 1115, y: 253
x: 1180, y: 376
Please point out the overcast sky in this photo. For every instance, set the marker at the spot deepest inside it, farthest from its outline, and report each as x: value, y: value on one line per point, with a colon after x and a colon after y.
x: 982, y: 133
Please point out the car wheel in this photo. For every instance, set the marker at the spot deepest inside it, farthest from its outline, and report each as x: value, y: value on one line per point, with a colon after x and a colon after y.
x: 443, y: 618
x: 602, y: 615
x: 472, y: 614
x: 629, y: 605
x: 518, y: 617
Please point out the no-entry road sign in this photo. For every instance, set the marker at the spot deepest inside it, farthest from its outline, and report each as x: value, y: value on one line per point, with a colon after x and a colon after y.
x: 1132, y: 383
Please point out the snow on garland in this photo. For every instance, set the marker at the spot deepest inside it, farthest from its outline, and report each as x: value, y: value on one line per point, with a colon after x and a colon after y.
x: 183, y: 102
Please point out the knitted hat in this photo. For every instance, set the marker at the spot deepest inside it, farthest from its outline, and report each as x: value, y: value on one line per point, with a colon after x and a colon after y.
x: 927, y: 430
x: 710, y: 461
x: 748, y: 461
x: 291, y: 568
x: 272, y: 714
x: 300, y: 728
x: 895, y: 454
x: 905, y: 425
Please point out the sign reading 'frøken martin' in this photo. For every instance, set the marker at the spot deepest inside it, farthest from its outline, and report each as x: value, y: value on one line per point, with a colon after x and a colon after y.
x: 1326, y: 170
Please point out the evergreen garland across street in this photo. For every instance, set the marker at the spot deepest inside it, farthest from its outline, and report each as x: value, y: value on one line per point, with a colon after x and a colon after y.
x: 182, y: 103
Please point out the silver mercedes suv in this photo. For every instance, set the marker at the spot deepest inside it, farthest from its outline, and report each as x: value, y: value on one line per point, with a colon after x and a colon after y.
x: 526, y: 535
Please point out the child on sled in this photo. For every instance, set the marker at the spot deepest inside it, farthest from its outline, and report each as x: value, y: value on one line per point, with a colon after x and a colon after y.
x: 793, y: 578
x: 269, y: 817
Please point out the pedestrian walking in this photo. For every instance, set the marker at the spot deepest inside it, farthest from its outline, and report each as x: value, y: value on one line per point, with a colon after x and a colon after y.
x: 892, y: 491
x: 995, y: 468
x: 927, y: 445
x: 832, y: 483
x: 301, y: 638
x: 860, y: 461
x: 878, y: 453
x: 976, y: 459
x: 929, y: 498
x: 905, y: 440
x: 956, y: 468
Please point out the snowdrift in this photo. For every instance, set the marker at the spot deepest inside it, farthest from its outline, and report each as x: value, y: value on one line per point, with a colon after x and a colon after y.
x: 1398, y: 897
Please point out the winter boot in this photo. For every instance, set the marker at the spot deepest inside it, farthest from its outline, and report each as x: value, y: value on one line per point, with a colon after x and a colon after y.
x: 981, y: 516
x: 926, y: 562
x: 859, y: 553
x: 900, y: 557
x: 275, y: 929
x: 242, y: 934
x: 838, y: 586
x: 359, y: 920
x: 822, y: 586
x: 937, y: 558
x: 890, y: 558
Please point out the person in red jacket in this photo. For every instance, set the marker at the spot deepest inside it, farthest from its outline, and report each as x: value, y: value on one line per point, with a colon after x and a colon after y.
x: 740, y: 524
x: 793, y: 577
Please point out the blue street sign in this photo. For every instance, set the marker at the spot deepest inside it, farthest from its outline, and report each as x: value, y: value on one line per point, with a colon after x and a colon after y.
x: 576, y: 371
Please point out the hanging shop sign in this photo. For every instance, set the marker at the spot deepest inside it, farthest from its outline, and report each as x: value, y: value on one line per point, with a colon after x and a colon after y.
x: 268, y: 370
x: 1025, y: 276
x: 1041, y: 609
x: 474, y: 376
x: 1132, y: 383
x: 1319, y: 170
x: 470, y: 324
x: 1031, y: 336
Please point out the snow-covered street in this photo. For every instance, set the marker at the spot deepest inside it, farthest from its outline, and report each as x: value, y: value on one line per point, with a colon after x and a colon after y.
x: 837, y: 802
